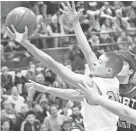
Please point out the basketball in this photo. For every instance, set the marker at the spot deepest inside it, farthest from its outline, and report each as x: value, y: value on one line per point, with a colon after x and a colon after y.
x: 21, y: 17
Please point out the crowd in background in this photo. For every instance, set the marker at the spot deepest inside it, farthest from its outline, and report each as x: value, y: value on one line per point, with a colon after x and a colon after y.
x: 20, y: 106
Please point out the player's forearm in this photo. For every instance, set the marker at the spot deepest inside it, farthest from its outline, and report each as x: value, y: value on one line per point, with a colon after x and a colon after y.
x: 118, y: 109
x: 83, y: 44
x: 68, y: 94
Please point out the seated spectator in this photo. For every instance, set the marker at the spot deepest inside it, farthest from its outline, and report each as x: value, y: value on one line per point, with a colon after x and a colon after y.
x: 30, y: 123
x: 41, y: 109
x: 94, y: 39
x: 21, y: 116
x: 19, y: 81
x: 66, y: 125
x: 8, y: 111
x: 124, y: 41
x: 6, y: 125
x: 15, y: 98
x: 31, y: 72
x: 55, y: 121
x: 76, y: 59
x: 76, y: 116
x: 106, y: 28
x: 49, y: 76
x: 7, y: 80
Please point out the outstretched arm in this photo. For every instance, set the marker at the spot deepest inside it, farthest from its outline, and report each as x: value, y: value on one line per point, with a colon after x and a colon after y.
x: 113, y: 106
x: 68, y: 94
x: 66, y: 74
x: 73, y: 17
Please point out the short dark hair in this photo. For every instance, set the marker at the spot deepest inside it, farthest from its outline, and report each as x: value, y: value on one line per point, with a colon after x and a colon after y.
x: 114, y: 62
x: 30, y: 112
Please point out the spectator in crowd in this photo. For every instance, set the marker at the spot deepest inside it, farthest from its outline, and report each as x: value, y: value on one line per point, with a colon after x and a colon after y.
x: 67, y: 124
x: 54, y: 29
x: 65, y: 25
x: 42, y: 127
x: 31, y: 72
x: 21, y: 116
x: 55, y: 121
x: 41, y: 109
x: 40, y: 31
x: 6, y: 125
x: 3, y: 60
x: 106, y: 28
x: 124, y: 41
x: 11, y: 47
x: 76, y: 116
x: 76, y: 59
x: 30, y: 123
x: 8, y: 111
x: 7, y: 80
x: 19, y: 81
x: 15, y: 98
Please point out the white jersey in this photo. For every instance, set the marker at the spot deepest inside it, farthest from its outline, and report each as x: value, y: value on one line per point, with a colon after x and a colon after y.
x: 97, y: 118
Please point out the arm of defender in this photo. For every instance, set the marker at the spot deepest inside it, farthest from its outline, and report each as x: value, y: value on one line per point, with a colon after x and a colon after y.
x: 118, y: 109
x: 68, y: 94
x: 73, y: 17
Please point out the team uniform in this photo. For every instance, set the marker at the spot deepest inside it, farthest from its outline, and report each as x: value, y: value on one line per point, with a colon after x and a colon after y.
x: 97, y: 118
x: 123, y: 125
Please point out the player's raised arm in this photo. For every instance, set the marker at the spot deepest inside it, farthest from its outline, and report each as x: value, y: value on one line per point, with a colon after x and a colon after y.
x: 73, y: 16
x: 115, y: 107
x: 66, y: 74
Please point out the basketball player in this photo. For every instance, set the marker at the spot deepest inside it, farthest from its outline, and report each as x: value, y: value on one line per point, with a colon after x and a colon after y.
x: 127, y: 88
x: 104, y: 71
x: 115, y: 107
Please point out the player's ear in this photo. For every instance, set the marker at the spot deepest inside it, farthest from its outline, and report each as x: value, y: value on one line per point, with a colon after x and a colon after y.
x: 131, y: 71
x: 109, y: 71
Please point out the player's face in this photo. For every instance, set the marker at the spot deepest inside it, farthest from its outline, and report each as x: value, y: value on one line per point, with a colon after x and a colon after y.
x: 99, y: 67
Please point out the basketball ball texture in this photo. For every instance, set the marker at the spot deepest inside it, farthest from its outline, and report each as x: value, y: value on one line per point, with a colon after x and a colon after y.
x: 21, y: 17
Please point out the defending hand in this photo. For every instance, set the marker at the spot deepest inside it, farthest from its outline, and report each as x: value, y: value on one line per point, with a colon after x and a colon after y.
x: 70, y: 12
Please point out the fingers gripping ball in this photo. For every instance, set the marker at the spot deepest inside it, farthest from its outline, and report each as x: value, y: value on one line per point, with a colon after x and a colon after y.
x: 21, y: 17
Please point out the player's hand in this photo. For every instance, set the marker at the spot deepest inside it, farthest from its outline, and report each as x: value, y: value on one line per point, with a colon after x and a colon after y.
x: 91, y: 96
x: 19, y: 37
x: 70, y: 12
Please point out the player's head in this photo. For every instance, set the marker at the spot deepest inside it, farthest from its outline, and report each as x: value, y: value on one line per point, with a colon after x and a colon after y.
x: 129, y: 65
x: 107, y: 66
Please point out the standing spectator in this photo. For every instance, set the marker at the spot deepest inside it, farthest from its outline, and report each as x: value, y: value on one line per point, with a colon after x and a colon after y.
x: 54, y: 30
x: 7, y: 80
x: 21, y: 116
x: 124, y: 41
x: 30, y: 123
x: 55, y: 121
x: 40, y: 31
